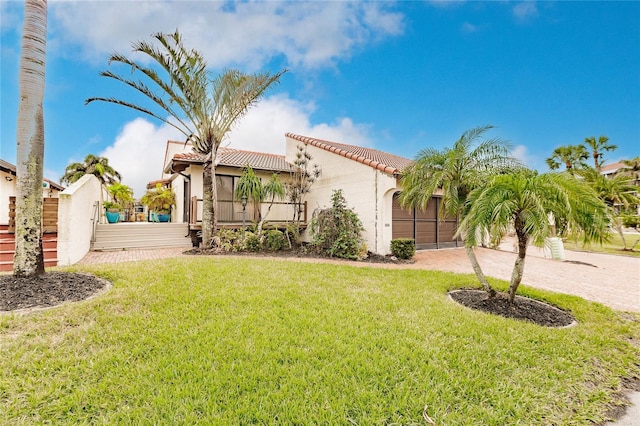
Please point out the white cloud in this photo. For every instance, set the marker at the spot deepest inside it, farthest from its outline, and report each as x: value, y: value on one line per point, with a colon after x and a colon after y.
x: 250, y: 34
x: 263, y: 128
x: 138, y: 151
x: 526, y: 9
x: 469, y: 28
x: 520, y: 152
x: 446, y: 3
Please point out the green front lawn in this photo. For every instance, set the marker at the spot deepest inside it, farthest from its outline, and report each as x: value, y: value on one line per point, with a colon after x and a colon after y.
x: 614, y: 246
x: 250, y: 341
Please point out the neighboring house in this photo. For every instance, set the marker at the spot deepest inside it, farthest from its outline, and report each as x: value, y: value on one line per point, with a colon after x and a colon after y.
x: 368, y: 178
x: 183, y: 171
x: 611, y: 170
x: 8, y: 184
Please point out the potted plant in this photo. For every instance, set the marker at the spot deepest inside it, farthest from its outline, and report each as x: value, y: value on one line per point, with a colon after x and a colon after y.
x: 112, y: 211
x: 122, y: 196
x: 160, y: 199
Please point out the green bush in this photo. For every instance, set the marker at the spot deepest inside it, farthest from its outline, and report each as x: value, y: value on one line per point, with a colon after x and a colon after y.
x: 274, y: 240
x: 252, y: 242
x: 293, y: 234
x: 336, y: 231
x: 229, y: 240
x: 631, y: 221
x: 403, y: 248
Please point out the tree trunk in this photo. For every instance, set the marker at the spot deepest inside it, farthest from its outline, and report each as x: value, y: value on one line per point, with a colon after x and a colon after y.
x: 478, y: 270
x: 29, y: 258
x: 518, y: 267
x: 618, y: 227
x: 208, y: 182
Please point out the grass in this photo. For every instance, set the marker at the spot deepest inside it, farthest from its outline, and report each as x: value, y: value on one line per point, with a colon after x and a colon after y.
x: 246, y: 341
x: 614, y: 246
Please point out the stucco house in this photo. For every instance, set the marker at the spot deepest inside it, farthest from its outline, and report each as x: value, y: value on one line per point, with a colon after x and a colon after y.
x: 8, y: 182
x: 368, y: 178
x: 8, y: 189
x: 183, y: 170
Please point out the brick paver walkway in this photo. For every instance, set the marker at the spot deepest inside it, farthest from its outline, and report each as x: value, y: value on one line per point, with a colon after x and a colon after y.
x: 608, y: 279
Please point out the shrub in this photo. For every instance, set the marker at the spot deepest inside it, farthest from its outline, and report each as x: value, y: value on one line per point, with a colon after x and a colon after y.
x: 337, y: 230
x: 274, y: 240
x: 293, y: 234
x: 229, y: 240
x: 631, y: 221
x: 403, y: 248
x: 252, y: 242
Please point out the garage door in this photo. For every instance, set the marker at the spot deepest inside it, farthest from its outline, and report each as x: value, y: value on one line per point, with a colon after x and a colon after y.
x: 424, y: 226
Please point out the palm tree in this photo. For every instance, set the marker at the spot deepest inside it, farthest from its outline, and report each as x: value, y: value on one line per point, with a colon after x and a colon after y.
x: 632, y: 169
x: 617, y: 194
x: 251, y: 188
x: 597, y: 146
x: 202, y: 108
x: 29, y: 259
x: 92, y: 165
x: 572, y: 156
x: 529, y: 203
x: 455, y: 172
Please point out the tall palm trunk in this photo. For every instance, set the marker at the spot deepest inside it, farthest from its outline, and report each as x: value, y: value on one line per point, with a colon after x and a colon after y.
x: 518, y: 268
x: 209, y: 200
x: 29, y: 259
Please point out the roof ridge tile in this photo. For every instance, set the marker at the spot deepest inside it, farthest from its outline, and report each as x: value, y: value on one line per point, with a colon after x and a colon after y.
x: 386, y: 162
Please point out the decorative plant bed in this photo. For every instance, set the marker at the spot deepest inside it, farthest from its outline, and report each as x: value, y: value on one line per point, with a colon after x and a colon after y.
x: 523, y: 308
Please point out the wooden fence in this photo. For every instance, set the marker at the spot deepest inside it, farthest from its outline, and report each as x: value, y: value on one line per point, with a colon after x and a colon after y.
x: 49, y: 215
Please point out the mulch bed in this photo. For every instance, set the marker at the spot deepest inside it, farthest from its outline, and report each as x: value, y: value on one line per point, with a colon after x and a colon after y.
x: 523, y: 308
x: 49, y: 289
x: 301, y: 252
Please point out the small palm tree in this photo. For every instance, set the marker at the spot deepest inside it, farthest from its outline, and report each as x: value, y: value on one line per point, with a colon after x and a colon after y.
x: 632, y: 169
x: 29, y: 258
x: 202, y: 108
x: 250, y: 186
x: 597, y: 146
x: 525, y: 201
x: 617, y: 194
x: 454, y: 172
x: 92, y: 165
x: 572, y: 156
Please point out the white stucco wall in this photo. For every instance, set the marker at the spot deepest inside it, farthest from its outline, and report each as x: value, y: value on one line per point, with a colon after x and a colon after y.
x: 75, y: 219
x: 367, y: 191
x: 8, y: 189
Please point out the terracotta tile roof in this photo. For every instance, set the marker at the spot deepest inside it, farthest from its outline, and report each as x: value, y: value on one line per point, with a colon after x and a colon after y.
x: 612, y: 168
x: 162, y: 182
x: 239, y: 158
x: 388, y: 163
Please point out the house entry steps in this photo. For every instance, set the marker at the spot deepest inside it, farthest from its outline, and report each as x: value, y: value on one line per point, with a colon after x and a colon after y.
x: 137, y: 235
x: 8, y: 246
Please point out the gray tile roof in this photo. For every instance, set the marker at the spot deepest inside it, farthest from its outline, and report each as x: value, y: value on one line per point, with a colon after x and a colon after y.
x: 239, y: 158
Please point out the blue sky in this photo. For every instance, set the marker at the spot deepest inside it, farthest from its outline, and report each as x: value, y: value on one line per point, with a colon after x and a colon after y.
x: 396, y: 76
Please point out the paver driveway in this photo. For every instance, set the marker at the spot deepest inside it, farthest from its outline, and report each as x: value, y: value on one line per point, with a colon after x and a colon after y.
x: 608, y: 279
